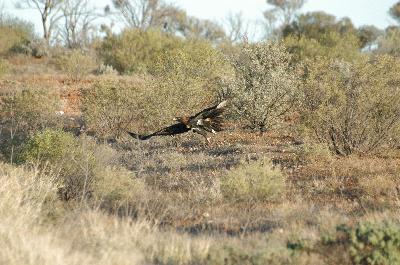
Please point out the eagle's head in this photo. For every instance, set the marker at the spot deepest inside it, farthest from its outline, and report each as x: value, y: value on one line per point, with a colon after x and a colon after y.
x: 184, y: 120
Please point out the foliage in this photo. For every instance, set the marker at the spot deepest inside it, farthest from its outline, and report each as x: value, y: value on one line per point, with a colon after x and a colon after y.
x: 368, y: 36
x: 255, y: 181
x: 265, y: 86
x: 76, y: 160
x: 75, y: 64
x: 389, y: 43
x: 368, y: 243
x: 14, y: 33
x: 39, y: 48
x: 187, y: 79
x: 320, y: 34
x: 394, y: 11
x: 24, y: 111
x: 183, y: 81
x: 353, y: 106
x: 135, y: 50
x: 111, y: 106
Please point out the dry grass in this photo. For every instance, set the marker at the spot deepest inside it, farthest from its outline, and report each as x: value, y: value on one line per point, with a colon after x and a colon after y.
x: 163, y: 201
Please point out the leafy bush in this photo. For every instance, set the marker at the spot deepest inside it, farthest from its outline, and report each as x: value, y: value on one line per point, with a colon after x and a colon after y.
x: 112, y: 106
x: 76, y: 160
x: 390, y: 42
x: 135, y: 50
x: 353, y: 106
x: 14, y: 33
x: 39, y: 48
x: 255, y: 181
x: 186, y: 79
x: 368, y: 243
x: 265, y: 87
x: 183, y: 81
x: 75, y: 64
x: 24, y: 111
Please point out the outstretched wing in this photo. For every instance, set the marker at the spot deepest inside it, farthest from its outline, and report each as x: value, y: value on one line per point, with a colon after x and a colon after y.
x: 209, y: 119
x: 170, y: 130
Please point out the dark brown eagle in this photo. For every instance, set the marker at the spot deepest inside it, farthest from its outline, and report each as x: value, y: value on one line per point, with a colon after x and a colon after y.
x: 206, y: 121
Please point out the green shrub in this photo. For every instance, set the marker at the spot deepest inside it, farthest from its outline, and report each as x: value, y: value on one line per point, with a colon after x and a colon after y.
x: 112, y: 106
x: 186, y: 79
x: 367, y: 243
x: 390, y: 42
x: 135, y: 50
x: 353, y: 106
x: 183, y: 82
x: 265, y: 86
x: 24, y: 111
x: 255, y: 181
x: 75, y: 64
x: 47, y: 145
x: 76, y: 160
x: 14, y: 34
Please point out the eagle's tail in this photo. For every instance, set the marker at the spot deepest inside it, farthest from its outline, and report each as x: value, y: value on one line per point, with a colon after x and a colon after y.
x: 139, y: 136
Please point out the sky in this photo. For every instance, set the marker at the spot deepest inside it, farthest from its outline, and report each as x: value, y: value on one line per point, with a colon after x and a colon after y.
x: 361, y: 12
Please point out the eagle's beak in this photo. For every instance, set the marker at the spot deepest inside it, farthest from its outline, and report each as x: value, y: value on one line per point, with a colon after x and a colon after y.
x: 175, y: 119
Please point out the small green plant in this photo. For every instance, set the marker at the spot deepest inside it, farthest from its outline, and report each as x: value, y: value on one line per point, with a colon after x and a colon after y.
x: 48, y: 145
x: 75, y: 64
x: 368, y: 243
x: 76, y: 160
x: 24, y: 111
x: 253, y: 181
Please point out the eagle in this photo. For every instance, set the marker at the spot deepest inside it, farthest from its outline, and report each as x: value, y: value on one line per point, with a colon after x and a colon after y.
x: 206, y: 121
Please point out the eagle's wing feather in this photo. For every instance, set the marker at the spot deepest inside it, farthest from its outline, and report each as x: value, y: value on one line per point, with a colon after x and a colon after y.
x: 177, y: 128
x: 209, y: 119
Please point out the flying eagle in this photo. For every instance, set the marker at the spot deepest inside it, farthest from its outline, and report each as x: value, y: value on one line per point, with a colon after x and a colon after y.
x: 207, y: 120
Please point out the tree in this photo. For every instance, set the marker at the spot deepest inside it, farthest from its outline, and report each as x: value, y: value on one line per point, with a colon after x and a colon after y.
x: 320, y: 34
x: 77, y: 23
x: 394, y: 12
x: 282, y: 14
x: 368, y: 36
x: 49, y: 11
x: 144, y: 14
x: 203, y: 28
x: 317, y: 24
x: 237, y: 27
